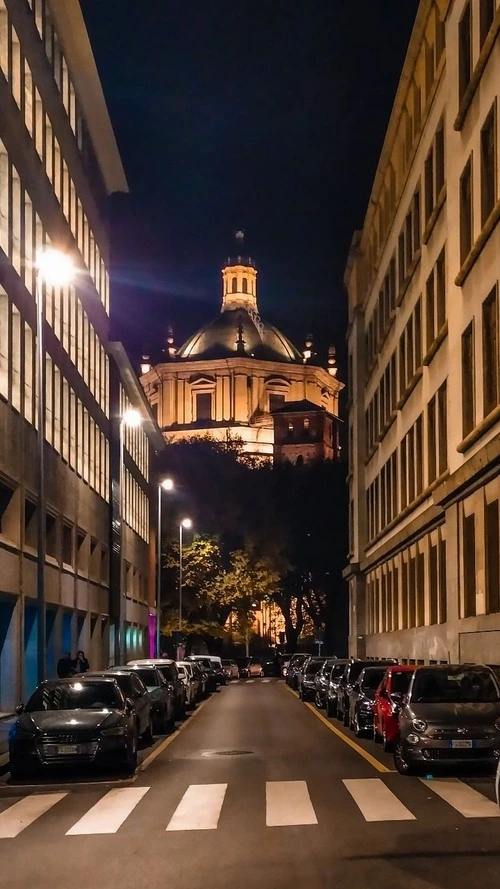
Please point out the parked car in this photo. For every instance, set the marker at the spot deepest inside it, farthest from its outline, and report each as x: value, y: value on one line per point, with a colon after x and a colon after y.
x: 272, y: 666
x: 168, y: 669
x: 133, y: 688
x: 387, y: 704
x: 230, y: 669
x: 336, y: 674
x: 361, y: 698
x: 69, y: 722
x: 497, y: 784
x: 450, y: 715
x: 349, y: 677
x: 307, y: 678
x: 190, y: 681
x: 218, y: 669
x: 161, y: 695
x: 321, y: 682
x: 206, y: 665
x: 250, y: 667
x: 294, y: 666
x: 202, y: 676
x: 214, y: 666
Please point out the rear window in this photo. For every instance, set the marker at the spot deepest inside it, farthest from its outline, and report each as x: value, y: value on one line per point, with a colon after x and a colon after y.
x: 314, y: 667
x: 400, y: 682
x: 149, y: 677
x: 373, y: 678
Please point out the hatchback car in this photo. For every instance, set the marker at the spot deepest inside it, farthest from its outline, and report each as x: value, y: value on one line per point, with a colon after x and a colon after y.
x: 250, y: 667
x: 307, y: 678
x: 230, y: 669
x: 168, y: 670
x: 388, y: 702
x: 349, y: 677
x: 133, y: 688
x: 321, y: 681
x: 161, y: 695
x: 450, y: 715
x: 361, y: 698
x: 74, y: 722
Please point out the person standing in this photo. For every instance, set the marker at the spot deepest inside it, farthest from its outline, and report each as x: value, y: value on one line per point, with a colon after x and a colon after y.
x: 65, y: 666
x: 80, y: 664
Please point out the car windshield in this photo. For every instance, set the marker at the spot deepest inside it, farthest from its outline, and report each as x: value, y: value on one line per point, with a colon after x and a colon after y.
x: 77, y: 696
x: 337, y: 671
x: 124, y: 682
x: 314, y: 666
x: 372, y: 678
x: 149, y: 677
x: 400, y: 682
x: 454, y: 686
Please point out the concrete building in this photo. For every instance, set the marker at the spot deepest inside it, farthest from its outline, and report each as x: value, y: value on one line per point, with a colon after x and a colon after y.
x: 304, y: 432
x: 228, y: 377
x: 59, y: 164
x: 424, y: 410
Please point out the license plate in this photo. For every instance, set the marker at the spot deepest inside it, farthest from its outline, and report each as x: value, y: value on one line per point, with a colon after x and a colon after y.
x: 462, y: 745
x: 67, y: 749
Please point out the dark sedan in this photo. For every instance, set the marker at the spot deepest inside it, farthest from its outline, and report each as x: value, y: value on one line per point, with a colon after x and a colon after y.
x: 133, y: 688
x: 361, y: 700
x: 161, y: 695
x: 73, y: 722
x: 349, y: 677
x: 336, y: 674
x: 322, y: 681
x: 307, y: 678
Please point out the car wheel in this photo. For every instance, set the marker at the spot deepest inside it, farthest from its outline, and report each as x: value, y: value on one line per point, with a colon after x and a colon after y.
x: 331, y: 709
x: 317, y: 701
x: 350, y: 722
x: 345, y: 718
x: 358, y: 732
x: 148, y: 736
x: 401, y: 762
x: 131, y: 756
x: 17, y: 773
x: 388, y: 745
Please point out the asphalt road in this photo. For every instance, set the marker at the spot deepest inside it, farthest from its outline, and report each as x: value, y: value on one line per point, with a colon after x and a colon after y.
x: 256, y: 792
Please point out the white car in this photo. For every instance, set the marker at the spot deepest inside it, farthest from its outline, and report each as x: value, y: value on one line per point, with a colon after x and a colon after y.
x: 230, y: 669
x: 190, y: 681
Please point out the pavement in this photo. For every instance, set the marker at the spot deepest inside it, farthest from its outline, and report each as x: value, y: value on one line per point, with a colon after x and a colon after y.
x: 257, y: 791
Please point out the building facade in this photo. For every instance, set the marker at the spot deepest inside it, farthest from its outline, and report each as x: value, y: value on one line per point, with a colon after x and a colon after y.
x: 304, y: 432
x: 230, y: 375
x: 424, y: 358
x: 59, y: 164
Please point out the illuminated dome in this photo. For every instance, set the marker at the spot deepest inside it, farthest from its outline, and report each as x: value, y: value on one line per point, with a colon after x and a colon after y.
x: 239, y: 330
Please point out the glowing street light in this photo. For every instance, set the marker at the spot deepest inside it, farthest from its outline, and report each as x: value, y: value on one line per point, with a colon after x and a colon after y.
x: 53, y: 268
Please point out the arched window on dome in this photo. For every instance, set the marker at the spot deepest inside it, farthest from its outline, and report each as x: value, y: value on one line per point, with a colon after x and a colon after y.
x: 244, y: 286
x: 234, y: 285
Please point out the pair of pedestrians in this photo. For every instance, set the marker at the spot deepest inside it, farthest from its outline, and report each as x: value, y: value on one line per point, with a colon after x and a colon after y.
x: 68, y: 666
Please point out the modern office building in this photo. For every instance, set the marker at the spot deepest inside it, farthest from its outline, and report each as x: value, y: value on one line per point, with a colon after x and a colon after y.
x: 228, y: 377
x: 59, y: 164
x: 424, y: 358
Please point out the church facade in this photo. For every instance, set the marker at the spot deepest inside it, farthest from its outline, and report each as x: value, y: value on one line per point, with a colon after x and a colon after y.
x: 229, y: 376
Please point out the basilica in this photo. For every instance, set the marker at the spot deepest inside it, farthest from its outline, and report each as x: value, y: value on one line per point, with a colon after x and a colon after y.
x: 238, y: 374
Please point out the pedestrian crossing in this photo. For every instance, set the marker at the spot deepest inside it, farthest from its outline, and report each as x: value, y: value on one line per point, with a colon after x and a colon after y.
x: 285, y: 803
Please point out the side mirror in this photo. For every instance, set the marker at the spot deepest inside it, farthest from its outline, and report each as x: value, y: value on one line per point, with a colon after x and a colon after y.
x: 129, y: 706
x: 20, y: 709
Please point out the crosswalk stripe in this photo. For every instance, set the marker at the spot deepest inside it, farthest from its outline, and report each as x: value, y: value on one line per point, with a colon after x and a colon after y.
x: 469, y: 802
x: 199, y: 808
x: 266, y: 680
x: 249, y: 681
x: 109, y: 813
x: 288, y: 803
x: 23, y: 813
x: 376, y: 801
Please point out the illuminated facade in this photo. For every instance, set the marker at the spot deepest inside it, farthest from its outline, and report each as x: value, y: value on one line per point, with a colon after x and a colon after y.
x: 230, y: 375
x: 424, y: 358
x: 58, y: 165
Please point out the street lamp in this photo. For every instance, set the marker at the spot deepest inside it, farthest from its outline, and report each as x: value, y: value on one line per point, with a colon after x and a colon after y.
x: 166, y: 484
x: 131, y: 419
x: 55, y: 269
x: 186, y: 523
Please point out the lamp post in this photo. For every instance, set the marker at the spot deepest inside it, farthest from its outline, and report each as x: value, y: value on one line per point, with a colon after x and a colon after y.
x: 186, y: 523
x: 55, y: 269
x: 165, y: 485
x: 131, y: 419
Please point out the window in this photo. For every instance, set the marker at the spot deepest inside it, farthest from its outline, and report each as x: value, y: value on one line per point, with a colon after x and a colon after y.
x: 468, y: 406
x: 234, y: 285
x: 464, y: 51
x: 442, y: 426
x: 244, y: 285
x: 492, y: 556
x: 276, y: 401
x: 442, y: 582
x: 203, y: 405
x: 466, y: 211
x: 469, y: 564
x: 431, y: 441
x: 488, y: 166
x: 486, y: 16
x: 434, y: 172
x: 433, y: 585
x: 490, y: 352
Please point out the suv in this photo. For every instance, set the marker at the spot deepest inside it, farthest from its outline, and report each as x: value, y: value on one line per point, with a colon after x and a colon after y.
x: 349, y: 677
x: 450, y: 715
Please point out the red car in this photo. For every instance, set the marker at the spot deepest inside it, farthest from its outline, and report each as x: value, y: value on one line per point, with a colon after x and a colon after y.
x: 387, y: 704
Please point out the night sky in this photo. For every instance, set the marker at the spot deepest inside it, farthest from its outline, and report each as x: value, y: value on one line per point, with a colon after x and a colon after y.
x: 267, y: 116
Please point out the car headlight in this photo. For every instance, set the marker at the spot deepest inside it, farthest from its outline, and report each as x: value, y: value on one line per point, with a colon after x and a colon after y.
x: 115, y: 732
x: 419, y: 725
x: 413, y: 739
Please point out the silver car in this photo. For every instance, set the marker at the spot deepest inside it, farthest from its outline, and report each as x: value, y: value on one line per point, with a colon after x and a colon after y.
x: 451, y: 715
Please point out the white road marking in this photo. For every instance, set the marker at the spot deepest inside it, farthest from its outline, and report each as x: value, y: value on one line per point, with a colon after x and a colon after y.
x: 266, y: 680
x: 23, y: 813
x: 249, y: 681
x: 199, y: 808
x: 288, y: 803
x: 469, y: 802
x: 375, y: 801
x: 110, y: 812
